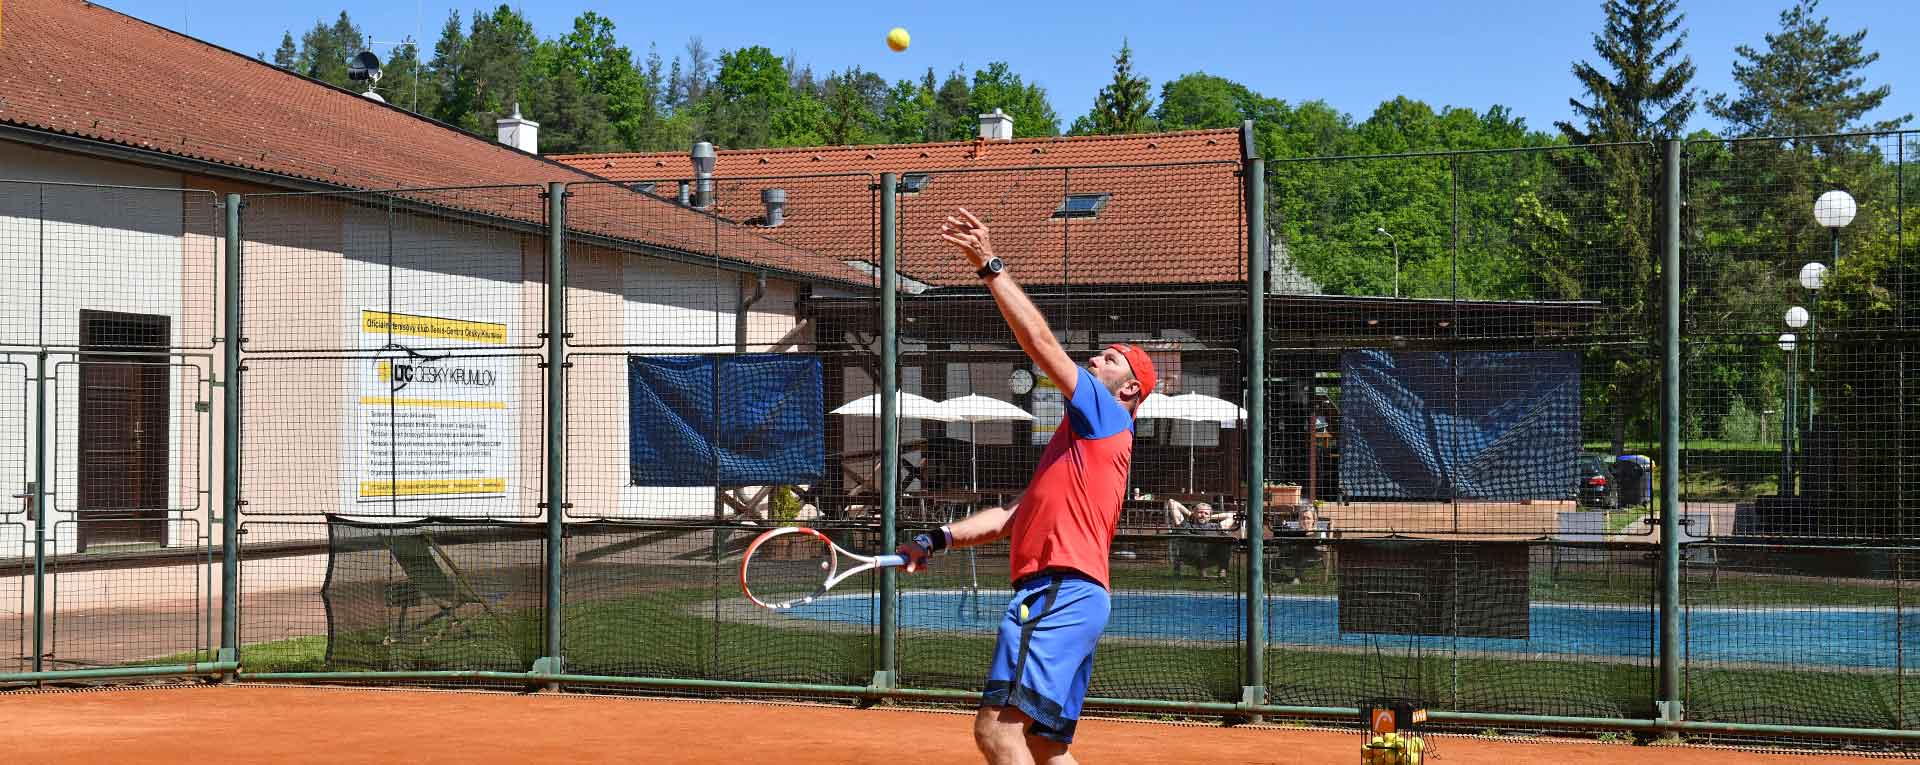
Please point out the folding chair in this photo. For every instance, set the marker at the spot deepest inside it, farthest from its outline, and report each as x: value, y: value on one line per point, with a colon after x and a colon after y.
x: 433, y: 580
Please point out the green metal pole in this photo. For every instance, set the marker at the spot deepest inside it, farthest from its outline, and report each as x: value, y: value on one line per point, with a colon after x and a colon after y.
x: 105, y: 673
x: 1670, y: 703
x: 40, y: 510
x: 1254, y: 688
x: 556, y: 418
x: 232, y: 339
x: 885, y: 676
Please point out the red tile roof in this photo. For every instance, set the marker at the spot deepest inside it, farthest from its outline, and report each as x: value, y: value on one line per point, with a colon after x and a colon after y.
x: 78, y: 69
x: 1177, y: 221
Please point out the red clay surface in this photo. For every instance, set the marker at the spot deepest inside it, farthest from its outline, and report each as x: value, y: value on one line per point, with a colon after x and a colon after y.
x: 342, y: 726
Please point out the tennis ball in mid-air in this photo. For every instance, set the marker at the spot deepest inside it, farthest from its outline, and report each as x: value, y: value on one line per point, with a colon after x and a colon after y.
x: 897, y: 39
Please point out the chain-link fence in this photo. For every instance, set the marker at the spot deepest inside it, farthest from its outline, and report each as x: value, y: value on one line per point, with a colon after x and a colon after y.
x: 462, y: 413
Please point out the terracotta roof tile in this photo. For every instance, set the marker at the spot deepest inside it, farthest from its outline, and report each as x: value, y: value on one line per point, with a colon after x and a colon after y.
x: 78, y: 69
x: 1176, y: 222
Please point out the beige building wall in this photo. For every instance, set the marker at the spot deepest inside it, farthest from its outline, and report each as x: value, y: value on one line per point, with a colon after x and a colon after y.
x: 318, y: 269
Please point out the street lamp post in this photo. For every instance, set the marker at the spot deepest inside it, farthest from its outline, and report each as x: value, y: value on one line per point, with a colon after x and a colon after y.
x: 1788, y: 343
x: 1382, y: 230
x: 1834, y: 210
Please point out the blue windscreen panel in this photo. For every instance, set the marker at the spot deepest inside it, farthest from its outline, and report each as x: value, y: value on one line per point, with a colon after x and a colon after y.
x: 1486, y: 425
x: 727, y: 420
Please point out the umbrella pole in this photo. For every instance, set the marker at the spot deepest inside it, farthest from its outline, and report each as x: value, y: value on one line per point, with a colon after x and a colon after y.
x: 973, y: 563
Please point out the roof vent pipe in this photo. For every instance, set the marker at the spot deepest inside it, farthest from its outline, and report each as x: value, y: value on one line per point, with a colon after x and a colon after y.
x: 682, y: 198
x: 703, y: 159
x: 776, y: 202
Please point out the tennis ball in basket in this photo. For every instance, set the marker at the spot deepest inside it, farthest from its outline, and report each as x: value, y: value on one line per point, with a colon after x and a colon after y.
x: 897, y: 39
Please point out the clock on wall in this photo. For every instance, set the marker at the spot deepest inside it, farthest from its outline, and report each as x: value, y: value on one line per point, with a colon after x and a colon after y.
x: 1021, y: 380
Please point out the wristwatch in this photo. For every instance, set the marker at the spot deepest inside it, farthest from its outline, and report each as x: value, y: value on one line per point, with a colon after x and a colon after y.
x: 994, y: 266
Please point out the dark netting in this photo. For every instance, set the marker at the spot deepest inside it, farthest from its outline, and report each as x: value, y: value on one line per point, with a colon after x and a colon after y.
x: 1799, y: 635
x: 16, y: 592
x: 1467, y: 348
x: 1511, y: 627
x: 1105, y: 257
x: 115, y: 605
x: 1799, y: 307
x: 1479, y: 425
x: 434, y: 594
x: 664, y: 600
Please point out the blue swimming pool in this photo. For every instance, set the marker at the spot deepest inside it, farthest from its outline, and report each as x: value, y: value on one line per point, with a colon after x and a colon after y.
x: 1808, y: 635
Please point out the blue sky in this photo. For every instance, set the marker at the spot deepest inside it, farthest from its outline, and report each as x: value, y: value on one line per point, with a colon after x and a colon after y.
x: 1475, y: 54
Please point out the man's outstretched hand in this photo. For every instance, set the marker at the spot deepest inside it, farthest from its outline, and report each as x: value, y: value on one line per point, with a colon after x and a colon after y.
x: 970, y: 235
x: 916, y: 555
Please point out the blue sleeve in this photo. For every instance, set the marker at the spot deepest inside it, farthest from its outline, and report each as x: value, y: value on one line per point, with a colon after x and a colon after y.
x: 1094, y: 412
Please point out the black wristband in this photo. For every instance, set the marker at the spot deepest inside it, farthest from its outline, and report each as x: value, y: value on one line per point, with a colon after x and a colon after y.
x: 934, y: 542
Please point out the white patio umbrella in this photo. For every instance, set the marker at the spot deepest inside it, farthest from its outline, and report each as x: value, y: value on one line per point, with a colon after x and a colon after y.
x: 975, y: 408
x: 1191, y: 407
x: 908, y: 406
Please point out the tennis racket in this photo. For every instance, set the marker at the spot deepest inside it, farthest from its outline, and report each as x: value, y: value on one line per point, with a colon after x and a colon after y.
x: 793, y: 566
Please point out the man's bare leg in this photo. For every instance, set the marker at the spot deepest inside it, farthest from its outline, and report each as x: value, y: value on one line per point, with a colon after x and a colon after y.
x: 1001, y: 734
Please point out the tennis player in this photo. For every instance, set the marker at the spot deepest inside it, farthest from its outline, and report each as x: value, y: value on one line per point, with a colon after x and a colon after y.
x: 1061, y: 528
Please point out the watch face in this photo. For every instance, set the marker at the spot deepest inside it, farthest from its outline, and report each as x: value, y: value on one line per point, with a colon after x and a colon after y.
x: 1021, y: 380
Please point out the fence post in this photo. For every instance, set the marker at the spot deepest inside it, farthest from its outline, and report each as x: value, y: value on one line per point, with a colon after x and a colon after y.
x: 885, y: 675
x: 1670, y: 703
x: 40, y: 508
x: 1254, y: 687
x: 556, y: 421
x: 231, y: 340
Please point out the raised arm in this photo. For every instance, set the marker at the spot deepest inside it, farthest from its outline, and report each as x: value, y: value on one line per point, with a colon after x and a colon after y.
x: 984, y: 527
x: 966, y: 232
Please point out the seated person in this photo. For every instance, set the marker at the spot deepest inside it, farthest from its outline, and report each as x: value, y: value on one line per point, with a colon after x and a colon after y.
x: 1200, y: 517
x: 1296, y: 524
x: 1202, y: 554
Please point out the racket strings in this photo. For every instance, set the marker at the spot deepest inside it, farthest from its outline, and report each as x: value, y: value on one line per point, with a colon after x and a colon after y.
x: 788, y: 570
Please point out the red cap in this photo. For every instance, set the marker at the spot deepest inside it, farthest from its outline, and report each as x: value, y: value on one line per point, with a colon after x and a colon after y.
x: 1141, y: 364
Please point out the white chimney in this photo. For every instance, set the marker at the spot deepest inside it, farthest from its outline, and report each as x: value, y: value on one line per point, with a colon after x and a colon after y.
x: 519, y: 132
x: 996, y: 126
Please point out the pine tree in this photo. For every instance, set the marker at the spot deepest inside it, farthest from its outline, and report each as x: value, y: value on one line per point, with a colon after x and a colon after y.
x: 325, y: 50
x: 1644, y: 93
x: 287, y: 54
x: 1124, y: 104
x: 1808, y: 81
x: 1647, y: 93
x: 448, y: 89
x: 951, y: 119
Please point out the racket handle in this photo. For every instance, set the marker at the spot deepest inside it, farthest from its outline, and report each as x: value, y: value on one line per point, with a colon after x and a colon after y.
x: 889, y: 561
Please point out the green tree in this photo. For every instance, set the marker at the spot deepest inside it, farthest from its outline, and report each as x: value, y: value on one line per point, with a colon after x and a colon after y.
x: 748, y: 94
x: 952, y: 117
x: 1124, y: 105
x: 997, y: 87
x: 904, y: 118
x: 449, y: 88
x: 499, y: 61
x: 1640, y: 91
x: 606, y: 74
x: 400, y: 77
x: 572, y: 116
x: 853, y: 102
x: 287, y: 55
x: 1808, y: 81
x: 325, y: 50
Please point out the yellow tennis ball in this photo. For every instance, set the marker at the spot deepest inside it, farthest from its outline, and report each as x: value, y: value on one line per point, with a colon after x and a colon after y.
x: 897, y: 39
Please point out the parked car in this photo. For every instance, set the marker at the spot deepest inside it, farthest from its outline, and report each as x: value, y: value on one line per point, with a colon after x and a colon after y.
x: 1596, y: 482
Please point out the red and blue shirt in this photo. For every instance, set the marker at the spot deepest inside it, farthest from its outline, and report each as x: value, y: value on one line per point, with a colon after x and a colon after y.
x: 1067, y: 517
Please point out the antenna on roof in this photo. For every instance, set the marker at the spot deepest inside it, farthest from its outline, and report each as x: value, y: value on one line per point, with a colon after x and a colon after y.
x: 366, y: 66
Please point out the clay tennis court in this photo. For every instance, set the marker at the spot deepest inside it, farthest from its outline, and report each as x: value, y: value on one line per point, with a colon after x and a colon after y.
x: 252, y: 723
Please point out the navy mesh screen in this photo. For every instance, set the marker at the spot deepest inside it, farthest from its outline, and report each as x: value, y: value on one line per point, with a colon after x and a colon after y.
x: 1495, y: 425
x: 733, y: 420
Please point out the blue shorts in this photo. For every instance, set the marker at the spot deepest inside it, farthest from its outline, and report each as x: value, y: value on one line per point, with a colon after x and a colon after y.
x: 1044, y: 655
